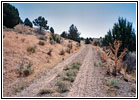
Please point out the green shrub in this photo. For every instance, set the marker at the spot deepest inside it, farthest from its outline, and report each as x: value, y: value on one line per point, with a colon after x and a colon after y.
x: 31, y: 49
x: 70, y: 78
x: 75, y: 66
x: 97, y: 64
x: 71, y: 73
x: 20, y: 88
x: 55, y: 38
x: 114, y: 83
x: 58, y: 40
x: 62, y: 87
x: 69, y: 45
x: 25, y: 70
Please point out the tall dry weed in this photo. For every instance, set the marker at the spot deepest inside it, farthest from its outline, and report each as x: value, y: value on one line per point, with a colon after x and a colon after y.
x: 113, y: 54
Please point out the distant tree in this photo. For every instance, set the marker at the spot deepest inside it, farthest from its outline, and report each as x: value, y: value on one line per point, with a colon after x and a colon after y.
x: 91, y: 39
x: 52, y: 30
x: 27, y: 22
x: 41, y: 23
x: 87, y: 41
x: 10, y: 15
x: 64, y: 34
x: 82, y: 38
x: 124, y: 32
x: 97, y: 43
x: 73, y: 33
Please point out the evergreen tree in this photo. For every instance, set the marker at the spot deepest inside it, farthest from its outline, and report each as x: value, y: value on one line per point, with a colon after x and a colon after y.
x: 73, y: 33
x: 27, y: 22
x: 52, y: 30
x: 124, y: 32
x: 87, y: 41
x: 41, y: 23
x: 64, y: 34
x: 82, y: 38
x: 10, y: 15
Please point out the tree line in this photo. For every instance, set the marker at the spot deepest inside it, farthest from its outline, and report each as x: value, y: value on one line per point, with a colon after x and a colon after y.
x: 122, y: 30
x: 11, y: 18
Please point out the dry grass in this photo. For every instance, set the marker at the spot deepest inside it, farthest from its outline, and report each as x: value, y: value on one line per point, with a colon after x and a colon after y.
x: 50, y: 52
x: 41, y: 43
x: 42, y: 37
x: 13, y: 53
x: 25, y: 70
x: 68, y: 50
x: 69, y: 45
x: 103, y: 57
x: 62, y: 52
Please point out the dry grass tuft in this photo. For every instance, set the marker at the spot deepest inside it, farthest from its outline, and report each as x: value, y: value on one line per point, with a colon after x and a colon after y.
x: 50, y: 52
x: 24, y: 70
x: 62, y: 52
x: 31, y: 49
x: 41, y: 43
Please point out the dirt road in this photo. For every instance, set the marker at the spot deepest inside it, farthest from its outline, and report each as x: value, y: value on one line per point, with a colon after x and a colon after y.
x: 48, y: 76
x: 88, y: 81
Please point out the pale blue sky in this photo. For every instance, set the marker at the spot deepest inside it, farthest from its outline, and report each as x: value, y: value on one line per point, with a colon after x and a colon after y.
x: 91, y: 19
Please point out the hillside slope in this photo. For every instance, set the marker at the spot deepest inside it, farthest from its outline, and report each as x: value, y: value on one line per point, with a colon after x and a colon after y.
x: 16, y: 43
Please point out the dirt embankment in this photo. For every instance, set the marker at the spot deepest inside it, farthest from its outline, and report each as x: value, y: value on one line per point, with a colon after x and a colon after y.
x: 16, y: 45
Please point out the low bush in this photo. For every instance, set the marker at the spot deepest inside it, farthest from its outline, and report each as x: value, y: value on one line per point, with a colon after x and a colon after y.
x: 71, y: 73
x: 62, y: 87
x: 25, y: 70
x: 19, y: 88
x: 55, y: 38
x: 70, y: 78
x: 130, y: 62
x: 50, y: 51
x: 76, y: 66
x: 62, y: 52
x: 97, y: 64
x: 42, y: 37
x: 78, y: 44
x: 114, y: 83
x: 69, y: 45
x: 68, y: 50
x: 45, y: 91
x: 31, y: 49
x: 52, y: 42
x: 41, y: 43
